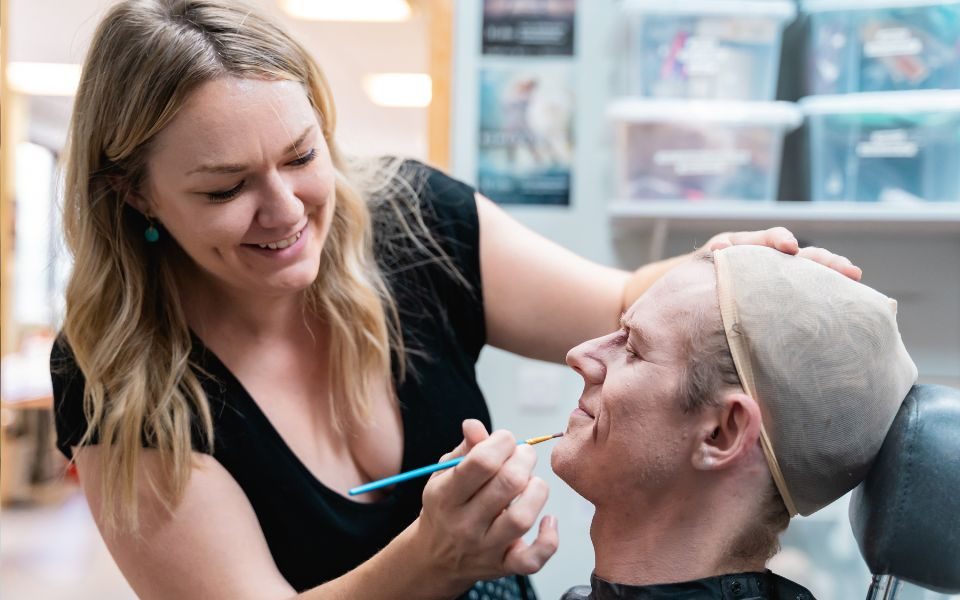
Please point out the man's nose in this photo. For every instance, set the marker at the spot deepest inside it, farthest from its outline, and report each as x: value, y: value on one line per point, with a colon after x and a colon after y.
x: 586, y: 359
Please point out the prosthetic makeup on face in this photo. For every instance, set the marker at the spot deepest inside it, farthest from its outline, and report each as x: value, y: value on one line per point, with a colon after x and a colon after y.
x: 629, y: 432
x: 820, y: 354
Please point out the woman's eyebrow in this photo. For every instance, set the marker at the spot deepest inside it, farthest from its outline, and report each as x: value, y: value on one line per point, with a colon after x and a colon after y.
x: 296, y: 144
x: 238, y: 168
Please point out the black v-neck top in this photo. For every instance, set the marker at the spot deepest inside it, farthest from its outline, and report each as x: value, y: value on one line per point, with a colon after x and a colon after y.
x: 313, y: 532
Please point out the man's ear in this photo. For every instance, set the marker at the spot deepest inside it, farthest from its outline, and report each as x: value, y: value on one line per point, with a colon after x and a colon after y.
x: 728, y: 432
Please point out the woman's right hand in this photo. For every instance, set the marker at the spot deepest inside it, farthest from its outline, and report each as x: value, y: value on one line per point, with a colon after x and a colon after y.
x: 474, y: 515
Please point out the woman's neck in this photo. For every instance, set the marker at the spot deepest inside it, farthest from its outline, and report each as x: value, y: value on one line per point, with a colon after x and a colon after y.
x: 214, y: 310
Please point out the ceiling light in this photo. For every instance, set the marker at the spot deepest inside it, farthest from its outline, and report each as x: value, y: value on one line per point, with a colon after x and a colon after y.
x: 399, y: 89
x: 43, y: 79
x: 347, y: 10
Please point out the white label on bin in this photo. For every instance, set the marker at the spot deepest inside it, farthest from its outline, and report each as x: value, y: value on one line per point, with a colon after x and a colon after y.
x: 702, y: 56
x: 701, y: 162
x: 892, y: 41
x: 888, y: 143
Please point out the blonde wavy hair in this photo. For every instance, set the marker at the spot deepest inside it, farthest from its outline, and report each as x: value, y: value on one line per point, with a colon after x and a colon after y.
x: 124, y: 323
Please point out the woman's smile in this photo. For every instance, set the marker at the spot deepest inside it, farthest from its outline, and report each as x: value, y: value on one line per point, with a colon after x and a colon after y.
x: 285, y: 249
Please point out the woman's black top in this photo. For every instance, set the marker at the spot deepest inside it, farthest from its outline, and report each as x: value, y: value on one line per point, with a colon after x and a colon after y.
x: 314, y: 533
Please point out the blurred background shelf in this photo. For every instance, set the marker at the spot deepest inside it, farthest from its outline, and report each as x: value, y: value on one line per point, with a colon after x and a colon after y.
x: 658, y: 218
x: 815, y: 217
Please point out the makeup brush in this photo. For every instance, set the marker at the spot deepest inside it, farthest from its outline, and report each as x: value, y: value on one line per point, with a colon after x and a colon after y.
x: 376, y: 485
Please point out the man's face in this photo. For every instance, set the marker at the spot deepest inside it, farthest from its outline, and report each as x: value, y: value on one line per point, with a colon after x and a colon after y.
x: 629, y: 433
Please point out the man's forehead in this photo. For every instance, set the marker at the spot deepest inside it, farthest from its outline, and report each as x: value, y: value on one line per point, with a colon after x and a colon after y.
x: 682, y: 291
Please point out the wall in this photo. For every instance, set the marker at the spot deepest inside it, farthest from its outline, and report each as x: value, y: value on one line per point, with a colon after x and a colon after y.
x: 57, y: 31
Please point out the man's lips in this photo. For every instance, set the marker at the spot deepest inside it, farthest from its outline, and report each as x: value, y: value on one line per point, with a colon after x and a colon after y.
x: 583, y: 406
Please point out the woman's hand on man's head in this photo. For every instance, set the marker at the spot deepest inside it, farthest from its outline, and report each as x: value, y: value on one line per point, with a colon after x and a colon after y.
x: 780, y: 238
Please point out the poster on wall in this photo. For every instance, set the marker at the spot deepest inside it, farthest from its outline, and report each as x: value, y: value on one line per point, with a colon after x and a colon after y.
x: 528, y: 27
x: 526, y: 134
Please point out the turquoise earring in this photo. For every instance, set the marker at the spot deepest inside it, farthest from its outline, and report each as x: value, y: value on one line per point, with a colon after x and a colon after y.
x: 151, y: 234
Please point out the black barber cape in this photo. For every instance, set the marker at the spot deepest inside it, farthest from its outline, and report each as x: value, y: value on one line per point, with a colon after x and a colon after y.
x: 739, y: 586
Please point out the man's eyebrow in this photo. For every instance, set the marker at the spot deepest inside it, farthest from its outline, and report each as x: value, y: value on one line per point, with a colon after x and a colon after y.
x: 634, y: 330
x: 238, y: 168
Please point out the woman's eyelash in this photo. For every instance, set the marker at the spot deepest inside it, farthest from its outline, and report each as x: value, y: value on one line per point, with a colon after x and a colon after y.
x: 305, y: 158
x: 226, y: 194
x: 631, y: 352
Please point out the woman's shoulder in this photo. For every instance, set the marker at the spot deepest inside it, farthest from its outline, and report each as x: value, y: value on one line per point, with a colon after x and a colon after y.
x: 438, y: 194
x: 423, y: 210
x: 430, y: 250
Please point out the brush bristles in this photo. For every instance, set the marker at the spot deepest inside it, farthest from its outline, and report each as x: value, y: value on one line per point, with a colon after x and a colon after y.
x: 543, y: 438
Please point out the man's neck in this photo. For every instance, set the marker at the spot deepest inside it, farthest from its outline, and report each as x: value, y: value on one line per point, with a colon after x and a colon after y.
x: 657, y: 542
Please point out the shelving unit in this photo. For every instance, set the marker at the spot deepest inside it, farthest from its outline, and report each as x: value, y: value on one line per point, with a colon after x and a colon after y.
x: 658, y: 218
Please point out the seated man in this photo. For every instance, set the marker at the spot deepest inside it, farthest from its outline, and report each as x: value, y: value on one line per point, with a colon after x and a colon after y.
x: 743, y: 388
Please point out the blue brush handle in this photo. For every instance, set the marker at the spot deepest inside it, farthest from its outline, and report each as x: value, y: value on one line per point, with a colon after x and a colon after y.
x: 376, y: 485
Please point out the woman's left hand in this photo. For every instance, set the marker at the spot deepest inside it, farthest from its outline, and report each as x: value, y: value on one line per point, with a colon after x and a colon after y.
x: 780, y: 238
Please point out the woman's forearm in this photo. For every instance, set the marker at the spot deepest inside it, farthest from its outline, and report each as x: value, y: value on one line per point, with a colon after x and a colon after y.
x: 644, y: 277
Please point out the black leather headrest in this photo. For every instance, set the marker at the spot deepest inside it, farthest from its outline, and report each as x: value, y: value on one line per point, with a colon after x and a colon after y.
x: 906, y: 513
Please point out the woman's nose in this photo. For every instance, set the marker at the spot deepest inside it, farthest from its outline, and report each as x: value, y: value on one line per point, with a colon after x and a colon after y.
x: 586, y: 360
x: 280, y: 208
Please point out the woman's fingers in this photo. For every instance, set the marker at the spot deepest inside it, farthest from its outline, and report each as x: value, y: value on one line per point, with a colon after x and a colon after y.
x: 474, y: 515
x: 778, y: 238
x: 519, y: 516
x: 496, y: 495
x: 473, y: 433
x: 783, y: 240
x: 526, y: 559
x: 456, y: 486
x: 838, y: 263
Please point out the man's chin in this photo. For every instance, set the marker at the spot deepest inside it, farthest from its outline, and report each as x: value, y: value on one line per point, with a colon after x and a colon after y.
x: 563, y: 460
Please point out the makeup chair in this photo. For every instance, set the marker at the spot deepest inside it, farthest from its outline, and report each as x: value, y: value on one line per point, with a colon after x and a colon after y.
x: 906, y: 513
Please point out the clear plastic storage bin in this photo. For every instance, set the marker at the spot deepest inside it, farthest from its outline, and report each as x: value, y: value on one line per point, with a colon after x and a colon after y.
x: 700, y: 150
x: 703, y: 49
x: 883, y: 45
x: 897, y: 147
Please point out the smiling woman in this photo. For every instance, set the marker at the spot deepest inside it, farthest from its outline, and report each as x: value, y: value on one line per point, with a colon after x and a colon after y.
x: 247, y: 354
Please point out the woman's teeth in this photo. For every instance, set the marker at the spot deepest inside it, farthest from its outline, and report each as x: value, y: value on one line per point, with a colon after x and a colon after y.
x: 282, y: 243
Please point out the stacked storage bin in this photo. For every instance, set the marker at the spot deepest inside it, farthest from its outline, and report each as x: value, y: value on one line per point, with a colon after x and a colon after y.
x: 696, y: 118
x: 885, y: 118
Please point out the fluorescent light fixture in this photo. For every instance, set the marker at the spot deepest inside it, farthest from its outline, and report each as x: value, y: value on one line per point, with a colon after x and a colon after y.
x: 43, y: 79
x: 347, y: 10
x: 411, y: 90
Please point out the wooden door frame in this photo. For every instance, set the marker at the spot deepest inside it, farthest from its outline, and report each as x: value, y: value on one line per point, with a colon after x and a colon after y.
x: 440, y: 48
x: 7, y: 189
